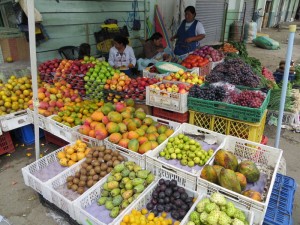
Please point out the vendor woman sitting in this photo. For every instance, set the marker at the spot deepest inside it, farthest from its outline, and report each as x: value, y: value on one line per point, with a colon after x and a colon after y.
x: 121, y: 55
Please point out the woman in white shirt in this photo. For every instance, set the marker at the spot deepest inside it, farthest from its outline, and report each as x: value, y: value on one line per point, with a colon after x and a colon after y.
x: 121, y: 56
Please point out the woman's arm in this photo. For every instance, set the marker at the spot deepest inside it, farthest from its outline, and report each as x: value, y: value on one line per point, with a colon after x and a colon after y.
x: 196, y: 38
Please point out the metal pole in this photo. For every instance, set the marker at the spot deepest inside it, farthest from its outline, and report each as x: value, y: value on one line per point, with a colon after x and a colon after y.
x: 243, y: 25
x: 288, y: 59
x: 224, y: 23
x: 33, y: 64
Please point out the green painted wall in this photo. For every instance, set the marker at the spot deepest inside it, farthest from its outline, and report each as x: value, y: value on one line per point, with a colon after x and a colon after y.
x: 74, y: 22
x: 273, y: 13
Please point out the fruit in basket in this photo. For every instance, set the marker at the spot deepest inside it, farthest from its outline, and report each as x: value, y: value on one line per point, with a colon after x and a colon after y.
x: 249, y: 170
x: 194, y: 61
x: 253, y: 194
x: 229, y: 180
x: 209, y: 53
x: 186, y: 77
x: 209, y: 173
x: 171, y: 87
x: 242, y: 179
x: 226, y: 159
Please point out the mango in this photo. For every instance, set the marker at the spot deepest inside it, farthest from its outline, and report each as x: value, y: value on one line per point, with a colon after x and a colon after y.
x: 242, y: 179
x: 145, y: 147
x: 226, y: 159
x: 133, y: 145
x: 209, y: 173
x: 249, y: 170
x: 127, y: 194
x: 228, y: 179
x: 143, y: 174
x: 112, y: 185
x: 139, y: 188
x: 137, y: 181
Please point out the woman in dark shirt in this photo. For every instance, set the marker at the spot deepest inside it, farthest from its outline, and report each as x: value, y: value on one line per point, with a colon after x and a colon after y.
x: 153, y: 45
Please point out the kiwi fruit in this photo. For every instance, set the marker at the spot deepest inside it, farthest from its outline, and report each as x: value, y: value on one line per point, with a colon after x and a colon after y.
x: 83, y: 178
x: 83, y: 171
x: 95, y: 154
x: 103, y: 173
x: 97, y: 169
x: 114, y: 158
x: 96, y: 177
x: 89, y: 183
x: 89, y: 177
x: 89, y: 168
x: 109, y: 169
x: 108, y: 151
x: 107, y: 157
x: 116, y: 162
x: 100, y: 159
x: 101, y: 154
x: 109, y: 163
x: 102, y: 148
x: 77, y: 174
x: 121, y: 158
x: 89, y: 156
x: 80, y: 190
x: 81, y: 183
x: 95, y: 163
x: 70, y: 178
x: 76, y: 180
x: 92, y: 172
x: 88, y: 160
x: 103, y: 166
x: 95, y: 182
x: 74, y: 187
x: 115, y: 153
x: 84, y: 165
x: 69, y: 185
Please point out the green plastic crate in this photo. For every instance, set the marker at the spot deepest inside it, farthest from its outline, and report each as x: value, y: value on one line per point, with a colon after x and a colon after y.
x: 253, y: 115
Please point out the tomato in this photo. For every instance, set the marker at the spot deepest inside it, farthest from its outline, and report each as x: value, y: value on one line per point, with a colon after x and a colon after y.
x: 195, y: 64
x: 183, y: 64
x: 188, y: 65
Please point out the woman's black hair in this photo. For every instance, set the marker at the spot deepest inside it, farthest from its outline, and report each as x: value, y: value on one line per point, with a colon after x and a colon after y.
x: 191, y: 9
x: 121, y: 40
x: 84, y: 50
x: 155, y: 36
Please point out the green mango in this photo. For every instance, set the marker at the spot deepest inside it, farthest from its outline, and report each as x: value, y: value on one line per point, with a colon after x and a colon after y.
x: 102, y: 200
x: 112, y: 185
x: 117, y: 200
x: 122, y: 185
x: 118, y: 168
x: 136, y: 195
x: 118, y: 176
x: 109, y: 205
x: 142, y: 174
x: 124, y: 204
x: 150, y: 178
x: 110, y: 178
x: 105, y: 187
x: 139, y: 188
x: 127, y: 194
x: 128, y: 185
x: 115, y: 192
x: 137, y: 168
x: 104, y: 193
x: 132, y: 175
x: 114, y: 212
x: 125, y: 172
x: 130, y: 199
x: 137, y: 181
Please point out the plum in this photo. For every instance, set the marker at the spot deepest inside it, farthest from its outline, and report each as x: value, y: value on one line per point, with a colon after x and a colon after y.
x: 149, y: 206
x: 161, y: 195
x: 161, y: 201
x: 167, y: 183
x: 176, y: 195
x: 154, y: 201
x: 155, y: 194
x: 173, y: 183
x: 167, y: 199
x: 161, y: 181
x: 183, y: 196
x: 181, y: 190
x: 160, y: 208
x: 163, y: 187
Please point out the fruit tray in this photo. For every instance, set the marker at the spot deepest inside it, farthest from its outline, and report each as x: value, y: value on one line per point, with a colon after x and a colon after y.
x: 14, y: 120
x: 85, y: 138
x: 89, y: 212
x: 237, y: 112
x: 266, y: 158
x: 187, y: 176
x: 175, y: 102
x: 146, y: 196
x: 42, y: 120
x: 135, y: 156
x: 60, y: 130
x: 37, y: 173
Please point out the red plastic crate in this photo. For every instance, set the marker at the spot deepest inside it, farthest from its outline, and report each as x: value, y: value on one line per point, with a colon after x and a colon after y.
x: 55, y: 140
x: 6, y: 144
x: 170, y: 115
x: 264, y: 140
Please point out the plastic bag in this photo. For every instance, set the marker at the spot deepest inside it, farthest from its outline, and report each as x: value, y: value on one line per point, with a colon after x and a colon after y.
x: 266, y: 43
x: 250, y: 32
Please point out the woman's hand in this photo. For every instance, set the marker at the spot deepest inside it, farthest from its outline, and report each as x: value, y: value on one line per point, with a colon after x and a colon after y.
x: 130, y: 65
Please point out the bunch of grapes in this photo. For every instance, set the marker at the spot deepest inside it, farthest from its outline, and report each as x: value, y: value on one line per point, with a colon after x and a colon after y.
x: 253, y: 99
x: 234, y: 71
x: 208, y: 93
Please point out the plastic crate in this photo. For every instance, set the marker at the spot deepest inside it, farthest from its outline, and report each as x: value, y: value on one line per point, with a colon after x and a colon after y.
x: 50, y: 138
x: 26, y: 134
x: 60, y: 130
x: 42, y: 120
x: 241, y: 129
x: 277, y: 217
x: 135, y: 156
x: 205, y: 70
x: 14, y: 120
x: 90, y: 197
x: 237, y: 112
x: 267, y: 160
x: 147, y: 73
x: 85, y: 138
x: 289, y: 119
x: 264, y: 140
x: 212, y: 65
x: 6, y: 144
x: 170, y: 115
x: 167, y: 100
x: 184, y: 177
x: 146, y: 196
x: 49, y: 165
x: 249, y: 214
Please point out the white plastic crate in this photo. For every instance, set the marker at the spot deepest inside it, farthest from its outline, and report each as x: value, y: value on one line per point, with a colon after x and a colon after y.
x: 214, y: 64
x: 249, y: 214
x: 91, y: 196
x: 147, y: 73
x: 267, y: 160
x: 135, y: 156
x: 146, y: 196
x: 85, y: 138
x: 60, y: 130
x: 31, y: 171
x: 43, y: 122
x: 14, y: 120
x: 185, y: 178
x: 288, y: 119
x: 167, y: 100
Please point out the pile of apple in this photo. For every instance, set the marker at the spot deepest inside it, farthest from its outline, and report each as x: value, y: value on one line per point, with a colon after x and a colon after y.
x: 77, y: 72
x: 47, y: 70
x: 186, y: 77
x: 180, y: 88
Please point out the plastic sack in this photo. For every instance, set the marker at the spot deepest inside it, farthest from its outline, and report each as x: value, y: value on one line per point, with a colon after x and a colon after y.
x: 250, y: 32
x: 266, y: 43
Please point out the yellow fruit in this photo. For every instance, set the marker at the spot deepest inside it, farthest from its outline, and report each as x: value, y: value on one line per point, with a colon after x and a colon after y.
x: 63, y: 162
x: 78, y: 142
x: 164, y: 214
x: 70, y: 150
x: 126, y: 219
x: 122, y: 223
x: 71, y: 162
x: 87, y: 151
x: 74, y: 157
x: 68, y: 156
x: 144, y: 211
x: 61, y: 155
x: 176, y: 223
x: 150, y: 216
x: 80, y: 155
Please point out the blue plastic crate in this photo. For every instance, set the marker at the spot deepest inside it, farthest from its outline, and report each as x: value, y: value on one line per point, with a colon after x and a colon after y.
x: 287, y: 182
x: 26, y: 134
x: 277, y: 217
x: 282, y: 199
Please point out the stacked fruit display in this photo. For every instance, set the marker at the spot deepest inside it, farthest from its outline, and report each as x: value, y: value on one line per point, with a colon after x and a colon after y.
x: 194, y: 61
x: 53, y: 97
x: 48, y: 69
x: 228, y: 48
x: 172, y: 87
x: 230, y: 174
x: 209, y: 53
x: 99, y: 162
x: 253, y: 99
x: 125, y: 184
x: 73, y: 114
x: 208, y: 92
x: 170, y: 198
x: 15, y: 94
x: 217, y: 210
x: 185, y: 77
x: 73, y: 153
x: 187, y: 150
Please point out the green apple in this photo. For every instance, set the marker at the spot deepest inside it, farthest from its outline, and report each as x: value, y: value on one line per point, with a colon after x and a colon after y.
x: 173, y: 156
x: 193, y: 148
x: 183, y: 162
x: 171, y: 139
x: 177, y: 150
x: 191, y: 163
x: 180, y: 136
x: 179, y: 156
x: 196, y: 160
x: 162, y: 154
x: 171, y: 150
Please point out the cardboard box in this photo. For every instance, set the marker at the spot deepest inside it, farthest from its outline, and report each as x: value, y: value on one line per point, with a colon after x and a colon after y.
x: 17, y: 48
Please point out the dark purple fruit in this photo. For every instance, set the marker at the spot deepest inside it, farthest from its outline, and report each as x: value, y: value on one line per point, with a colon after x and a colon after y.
x: 176, y: 195
x: 189, y: 199
x: 155, y: 194
x: 178, y: 203
x: 175, y: 214
x: 161, y: 181
x: 181, y: 213
x: 161, y: 201
x: 157, y: 189
x: 155, y: 211
x: 172, y: 199
x: 167, y: 199
x: 185, y: 207
x: 183, y: 196
x: 168, y: 192
x: 175, y: 188
x: 173, y: 183
x: 160, y: 208
x: 154, y: 201
x: 161, y: 195
x: 167, y: 183
x: 181, y: 190
x: 163, y: 187
x: 168, y: 207
x: 190, y: 204
x: 149, y: 206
